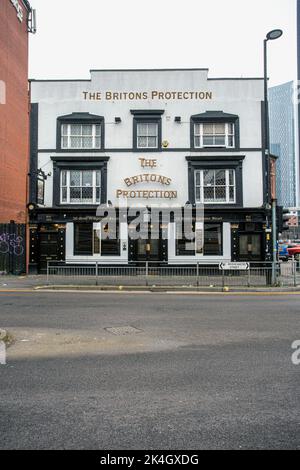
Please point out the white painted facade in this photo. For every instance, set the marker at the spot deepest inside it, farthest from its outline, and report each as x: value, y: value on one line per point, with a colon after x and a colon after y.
x: 241, y: 97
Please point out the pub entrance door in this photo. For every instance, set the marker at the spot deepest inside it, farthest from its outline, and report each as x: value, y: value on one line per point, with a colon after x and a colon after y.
x: 51, y: 245
x: 152, y: 247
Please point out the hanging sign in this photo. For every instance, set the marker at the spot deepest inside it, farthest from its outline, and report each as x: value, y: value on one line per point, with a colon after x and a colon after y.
x: 19, y: 9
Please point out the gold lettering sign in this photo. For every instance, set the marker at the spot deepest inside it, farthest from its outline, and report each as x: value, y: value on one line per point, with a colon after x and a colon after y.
x: 147, y: 95
x: 146, y: 194
x: 148, y: 178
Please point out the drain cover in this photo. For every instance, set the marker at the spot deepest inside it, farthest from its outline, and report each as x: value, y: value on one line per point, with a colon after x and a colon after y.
x: 123, y: 330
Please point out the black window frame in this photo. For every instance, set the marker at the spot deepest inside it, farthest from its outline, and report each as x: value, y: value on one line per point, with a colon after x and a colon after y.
x: 76, y: 163
x: 80, y: 118
x: 215, y: 117
x: 87, y: 252
x: 145, y: 117
x: 107, y: 247
x: 213, y: 162
x: 180, y: 243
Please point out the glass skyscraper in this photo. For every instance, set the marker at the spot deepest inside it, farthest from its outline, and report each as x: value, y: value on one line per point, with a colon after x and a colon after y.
x: 282, y: 138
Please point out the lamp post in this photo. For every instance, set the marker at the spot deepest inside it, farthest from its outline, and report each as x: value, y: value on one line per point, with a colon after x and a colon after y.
x: 271, y: 36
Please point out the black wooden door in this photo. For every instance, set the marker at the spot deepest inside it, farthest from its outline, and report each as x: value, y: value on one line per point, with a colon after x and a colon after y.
x: 49, y: 247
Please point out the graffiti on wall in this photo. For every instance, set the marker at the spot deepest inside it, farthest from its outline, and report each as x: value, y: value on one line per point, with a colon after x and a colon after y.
x: 10, y: 243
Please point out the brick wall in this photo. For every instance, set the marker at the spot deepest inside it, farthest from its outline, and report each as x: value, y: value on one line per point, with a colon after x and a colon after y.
x: 14, y: 118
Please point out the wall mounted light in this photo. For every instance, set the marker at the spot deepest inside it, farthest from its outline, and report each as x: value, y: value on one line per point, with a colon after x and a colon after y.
x: 178, y: 119
x: 118, y: 120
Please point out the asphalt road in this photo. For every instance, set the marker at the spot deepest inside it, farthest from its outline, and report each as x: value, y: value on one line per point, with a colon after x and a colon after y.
x: 200, y: 372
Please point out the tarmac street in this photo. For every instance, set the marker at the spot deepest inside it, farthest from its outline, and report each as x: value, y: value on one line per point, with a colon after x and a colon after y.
x: 149, y: 371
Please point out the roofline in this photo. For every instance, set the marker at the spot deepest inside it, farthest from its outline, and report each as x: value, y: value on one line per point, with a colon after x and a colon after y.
x: 152, y: 70
x: 148, y: 70
x: 59, y: 80
x: 236, y: 78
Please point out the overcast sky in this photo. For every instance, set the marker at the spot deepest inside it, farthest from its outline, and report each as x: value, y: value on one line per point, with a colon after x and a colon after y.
x: 75, y: 36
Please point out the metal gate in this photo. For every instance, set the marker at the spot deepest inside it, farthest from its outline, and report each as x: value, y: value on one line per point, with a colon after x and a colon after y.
x: 12, y: 248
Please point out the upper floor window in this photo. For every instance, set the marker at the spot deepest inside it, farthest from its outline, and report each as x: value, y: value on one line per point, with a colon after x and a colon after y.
x: 147, y: 135
x: 80, y: 186
x: 214, y: 129
x: 215, y: 186
x: 147, y: 130
x: 81, y: 136
x: 80, y: 132
x: 214, y: 135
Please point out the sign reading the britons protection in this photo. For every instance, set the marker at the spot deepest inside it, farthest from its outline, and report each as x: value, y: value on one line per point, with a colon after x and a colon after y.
x: 132, y: 181
x: 146, y: 95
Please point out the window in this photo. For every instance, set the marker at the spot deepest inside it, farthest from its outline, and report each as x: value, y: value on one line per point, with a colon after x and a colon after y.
x: 83, y: 242
x: 250, y: 245
x: 110, y: 245
x: 215, y: 186
x: 147, y: 135
x: 213, y: 245
x: 81, y: 136
x: 213, y: 240
x: 80, y: 186
x: 87, y: 241
x: 147, y: 130
x: 214, y: 135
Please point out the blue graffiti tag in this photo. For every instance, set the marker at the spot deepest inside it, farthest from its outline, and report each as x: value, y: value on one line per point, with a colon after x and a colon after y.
x: 11, y: 244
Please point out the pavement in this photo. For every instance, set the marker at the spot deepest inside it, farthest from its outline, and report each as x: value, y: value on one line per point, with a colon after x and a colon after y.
x: 39, y: 282
x: 192, y: 372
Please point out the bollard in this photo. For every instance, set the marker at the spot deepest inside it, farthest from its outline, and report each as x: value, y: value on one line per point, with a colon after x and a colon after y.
x: 147, y: 272
x: 97, y: 273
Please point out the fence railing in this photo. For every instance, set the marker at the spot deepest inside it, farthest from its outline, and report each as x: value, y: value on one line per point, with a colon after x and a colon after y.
x: 152, y: 274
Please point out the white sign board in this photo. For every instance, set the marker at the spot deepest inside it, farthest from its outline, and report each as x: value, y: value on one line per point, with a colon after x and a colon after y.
x: 234, y: 266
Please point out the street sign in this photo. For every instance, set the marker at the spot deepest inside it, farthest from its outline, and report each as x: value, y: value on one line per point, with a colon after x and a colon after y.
x: 234, y: 266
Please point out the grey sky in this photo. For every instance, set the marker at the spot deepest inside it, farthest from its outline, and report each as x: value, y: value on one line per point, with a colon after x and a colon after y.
x: 75, y: 36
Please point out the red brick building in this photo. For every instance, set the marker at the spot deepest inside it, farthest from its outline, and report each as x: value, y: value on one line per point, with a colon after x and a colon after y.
x: 17, y: 20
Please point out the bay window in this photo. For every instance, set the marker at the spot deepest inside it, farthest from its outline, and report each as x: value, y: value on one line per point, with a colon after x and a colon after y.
x: 80, y: 187
x: 215, y: 186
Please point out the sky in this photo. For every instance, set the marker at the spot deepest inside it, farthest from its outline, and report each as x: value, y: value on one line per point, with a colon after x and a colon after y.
x: 75, y: 36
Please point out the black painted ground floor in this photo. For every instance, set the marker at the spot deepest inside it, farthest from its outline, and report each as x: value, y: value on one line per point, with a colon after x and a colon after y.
x: 77, y: 236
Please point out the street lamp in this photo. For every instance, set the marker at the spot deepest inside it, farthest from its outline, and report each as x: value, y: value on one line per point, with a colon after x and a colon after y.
x: 271, y: 36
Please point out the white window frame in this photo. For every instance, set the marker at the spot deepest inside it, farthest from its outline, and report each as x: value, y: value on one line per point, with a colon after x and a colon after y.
x: 68, y: 135
x: 95, y: 187
x: 227, y: 186
x: 147, y: 136
x: 200, y: 134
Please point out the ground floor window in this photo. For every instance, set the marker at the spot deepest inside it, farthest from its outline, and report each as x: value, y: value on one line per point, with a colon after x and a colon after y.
x: 250, y: 245
x: 83, y: 242
x: 88, y: 240
x: 212, y: 241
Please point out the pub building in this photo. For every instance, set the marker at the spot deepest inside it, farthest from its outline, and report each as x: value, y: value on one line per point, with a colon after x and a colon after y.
x: 147, y: 138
